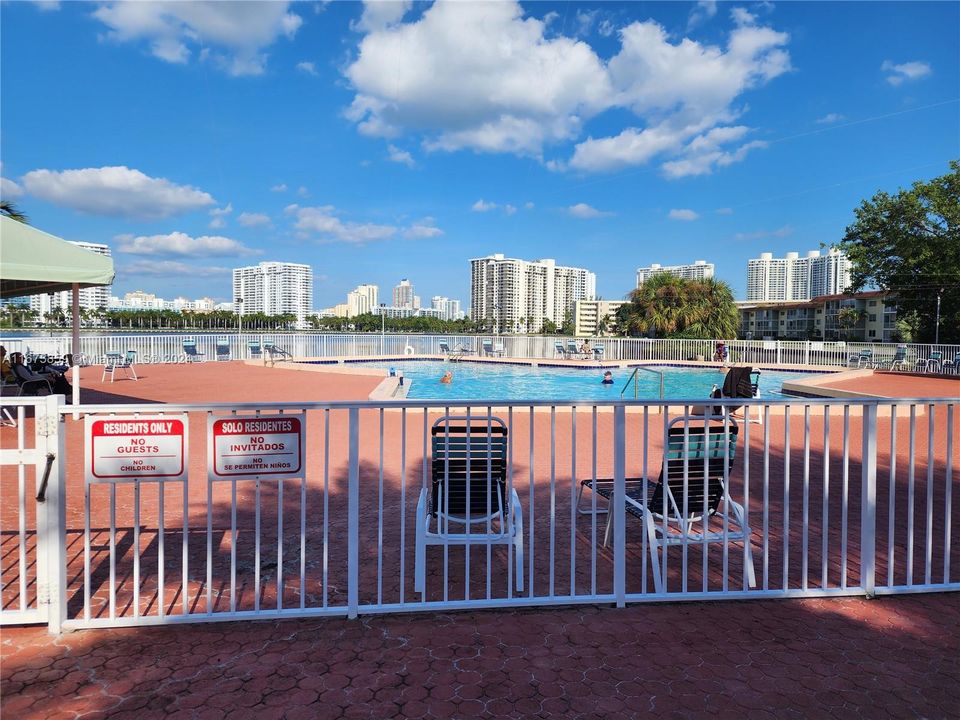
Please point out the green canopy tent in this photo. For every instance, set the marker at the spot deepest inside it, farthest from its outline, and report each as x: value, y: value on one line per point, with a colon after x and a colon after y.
x: 34, y: 262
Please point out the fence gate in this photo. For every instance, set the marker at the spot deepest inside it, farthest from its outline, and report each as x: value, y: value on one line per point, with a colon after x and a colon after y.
x: 31, y: 503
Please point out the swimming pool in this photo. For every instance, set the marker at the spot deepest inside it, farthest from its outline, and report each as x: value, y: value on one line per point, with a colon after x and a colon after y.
x: 480, y: 381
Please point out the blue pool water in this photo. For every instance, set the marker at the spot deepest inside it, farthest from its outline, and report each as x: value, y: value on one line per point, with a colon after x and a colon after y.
x: 478, y: 381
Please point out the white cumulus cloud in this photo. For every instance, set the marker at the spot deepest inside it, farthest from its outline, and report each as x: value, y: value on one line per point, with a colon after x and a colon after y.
x: 233, y: 34
x: 181, y: 244
x: 308, y: 67
x: 482, y: 206
x: 683, y: 214
x: 486, y: 77
x: 425, y: 228
x: 115, y: 191
x: 701, y: 12
x: 281, y: 187
x: 897, y: 74
x: 324, y: 222
x: 475, y: 75
x: 586, y: 212
x: 380, y: 14
x: 395, y: 154
x: 9, y: 190
x: 253, y: 219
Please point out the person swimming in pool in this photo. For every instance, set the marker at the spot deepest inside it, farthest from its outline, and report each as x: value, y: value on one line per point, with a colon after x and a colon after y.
x: 607, y: 378
x: 447, y: 378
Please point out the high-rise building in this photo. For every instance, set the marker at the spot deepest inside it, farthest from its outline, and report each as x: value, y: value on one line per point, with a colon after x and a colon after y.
x: 274, y: 288
x: 519, y: 295
x: 403, y: 294
x: 699, y: 270
x: 449, y: 309
x: 91, y: 298
x: 362, y: 300
x: 796, y: 278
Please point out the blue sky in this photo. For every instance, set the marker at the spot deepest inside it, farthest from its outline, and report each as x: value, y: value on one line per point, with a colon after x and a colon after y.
x: 394, y: 139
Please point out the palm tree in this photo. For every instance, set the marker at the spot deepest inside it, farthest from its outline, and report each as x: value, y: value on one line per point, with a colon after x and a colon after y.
x: 667, y: 305
x: 8, y: 209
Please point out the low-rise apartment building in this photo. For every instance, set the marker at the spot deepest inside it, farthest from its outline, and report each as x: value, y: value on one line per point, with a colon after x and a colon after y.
x: 872, y: 316
x: 590, y: 315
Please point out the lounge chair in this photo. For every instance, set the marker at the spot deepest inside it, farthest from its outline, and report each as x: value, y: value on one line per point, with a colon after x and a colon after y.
x: 498, y: 349
x: 929, y: 364
x: 444, y: 347
x: 190, y: 350
x: 254, y: 350
x: 468, y: 502
x: 116, y: 361
x: 223, y: 349
x: 462, y: 350
x: 598, y: 352
x: 274, y: 351
x: 863, y: 359
x: 694, y: 477
x: 490, y: 350
x: 558, y: 349
x: 952, y: 366
x: 574, y: 351
x: 25, y: 384
x: 897, y: 362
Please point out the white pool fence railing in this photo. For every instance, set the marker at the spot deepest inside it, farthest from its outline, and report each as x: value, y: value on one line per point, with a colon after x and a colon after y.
x: 169, y: 347
x: 838, y: 498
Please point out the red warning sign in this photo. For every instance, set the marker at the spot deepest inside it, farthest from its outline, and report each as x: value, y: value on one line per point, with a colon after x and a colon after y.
x: 136, y: 447
x: 256, y: 446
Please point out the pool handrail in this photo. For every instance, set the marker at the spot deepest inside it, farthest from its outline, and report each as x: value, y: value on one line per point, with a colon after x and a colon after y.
x: 635, y: 379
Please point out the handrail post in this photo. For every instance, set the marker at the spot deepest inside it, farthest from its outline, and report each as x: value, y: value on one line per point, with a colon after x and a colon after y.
x: 52, y: 515
x: 353, y: 514
x: 619, y: 503
x: 868, y: 501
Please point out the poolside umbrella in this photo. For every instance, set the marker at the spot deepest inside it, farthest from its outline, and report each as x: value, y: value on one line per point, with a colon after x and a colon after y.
x: 33, y: 262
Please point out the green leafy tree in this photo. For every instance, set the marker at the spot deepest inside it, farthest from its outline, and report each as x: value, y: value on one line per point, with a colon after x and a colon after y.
x: 669, y: 306
x: 908, y: 244
x: 847, y: 319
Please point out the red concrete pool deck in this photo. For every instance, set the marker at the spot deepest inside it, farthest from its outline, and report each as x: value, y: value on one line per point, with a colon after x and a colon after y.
x: 843, y: 658
x: 898, y: 385
x: 839, y: 658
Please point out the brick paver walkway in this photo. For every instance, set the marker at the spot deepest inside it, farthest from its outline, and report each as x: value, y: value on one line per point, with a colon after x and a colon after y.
x: 850, y: 658
x: 843, y: 658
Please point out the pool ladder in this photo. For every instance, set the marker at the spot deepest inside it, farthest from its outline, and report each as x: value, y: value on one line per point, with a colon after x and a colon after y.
x: 635, y: 379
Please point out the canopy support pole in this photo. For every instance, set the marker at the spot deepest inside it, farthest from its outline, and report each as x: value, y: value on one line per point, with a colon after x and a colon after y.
x: 75, y: 346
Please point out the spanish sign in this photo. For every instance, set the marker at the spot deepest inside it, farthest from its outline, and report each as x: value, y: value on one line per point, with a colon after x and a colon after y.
x: 261, y: 446
x: 136, y: 447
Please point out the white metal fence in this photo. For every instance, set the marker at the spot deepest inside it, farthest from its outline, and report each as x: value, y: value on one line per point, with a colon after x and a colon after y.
x: 165, y: 348
x: 837, y: 498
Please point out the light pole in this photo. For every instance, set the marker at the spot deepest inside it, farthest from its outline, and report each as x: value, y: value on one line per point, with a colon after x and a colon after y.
x: 936, y: 327
x: 383, y: 328
x: 239, y: 301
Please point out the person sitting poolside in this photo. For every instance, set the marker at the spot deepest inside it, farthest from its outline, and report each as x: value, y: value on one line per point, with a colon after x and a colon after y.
x: 607, y: 378
x: 720, y: 354
x: 5, y: 371
x: 447, y: 378
x: 585, y: 348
